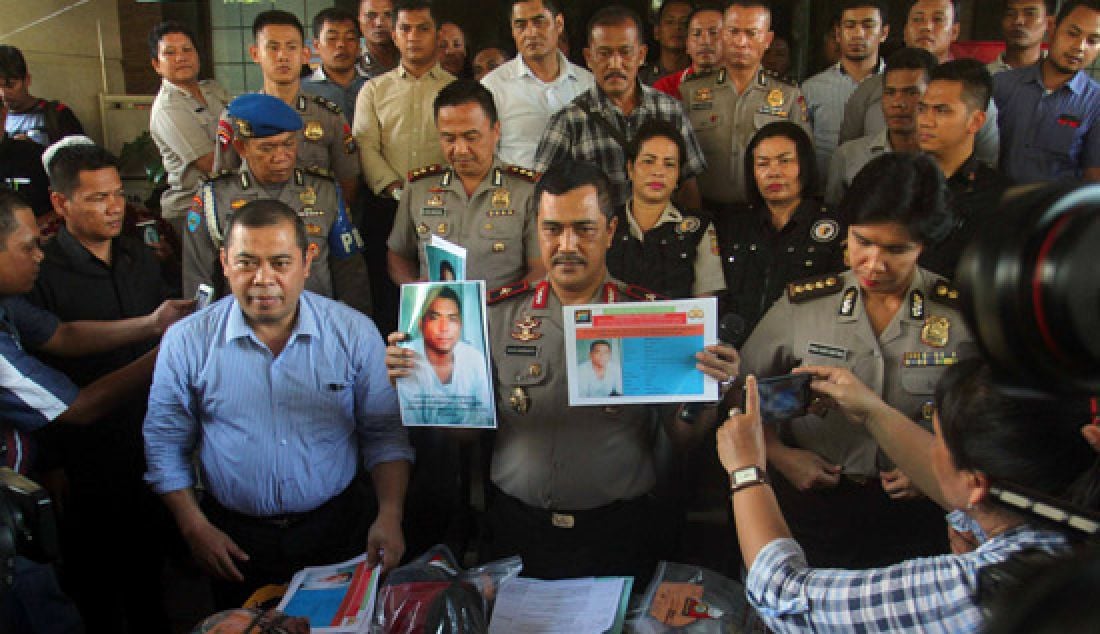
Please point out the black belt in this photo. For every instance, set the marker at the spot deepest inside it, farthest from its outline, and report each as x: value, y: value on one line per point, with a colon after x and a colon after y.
x: 569, y: 519
x: 282, y: 520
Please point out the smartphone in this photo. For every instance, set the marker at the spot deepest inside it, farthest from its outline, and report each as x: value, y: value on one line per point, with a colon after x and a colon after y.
x: 149, y: 233
x: 203, y: 296
x: 784, y: 397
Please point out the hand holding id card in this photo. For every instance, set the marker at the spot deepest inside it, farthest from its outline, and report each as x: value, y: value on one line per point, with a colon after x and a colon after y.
x: 642, y: 352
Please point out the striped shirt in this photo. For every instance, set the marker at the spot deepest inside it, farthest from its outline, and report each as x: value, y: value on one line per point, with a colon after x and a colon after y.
x: 272, y: 435
x: 926, y: 595
x: 574, y: 135
x: 826, y: 93
x: 31, y: 393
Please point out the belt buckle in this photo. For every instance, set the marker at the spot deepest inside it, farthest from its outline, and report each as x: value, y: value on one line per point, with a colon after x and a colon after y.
x: 562, y: 520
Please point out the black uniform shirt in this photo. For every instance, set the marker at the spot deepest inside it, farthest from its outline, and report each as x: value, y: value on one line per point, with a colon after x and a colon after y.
x: 759, y: 260
x: 21, y: 169
x: 974, y: 194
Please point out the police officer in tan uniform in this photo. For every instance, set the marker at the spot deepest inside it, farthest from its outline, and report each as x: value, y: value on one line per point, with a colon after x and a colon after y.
x: 325, y: 139
x: 727, y: 106
x: 572, y: 486
x: 264, y: 136
x: 896, y: 326
x: 475, y: 201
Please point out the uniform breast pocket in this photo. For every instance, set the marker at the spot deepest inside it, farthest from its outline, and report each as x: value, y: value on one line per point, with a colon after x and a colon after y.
x: 920, y: 380
x: 759, y: 119
x: 705, y: 119
x: 505, y: 227
x: 1058, y: 139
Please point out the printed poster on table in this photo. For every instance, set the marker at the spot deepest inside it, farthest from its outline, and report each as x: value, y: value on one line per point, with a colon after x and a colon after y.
x: 449, y: 385
x: 641, y: 352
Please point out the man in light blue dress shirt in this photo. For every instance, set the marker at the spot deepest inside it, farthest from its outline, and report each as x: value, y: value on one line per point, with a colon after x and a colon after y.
x: 282, y: 397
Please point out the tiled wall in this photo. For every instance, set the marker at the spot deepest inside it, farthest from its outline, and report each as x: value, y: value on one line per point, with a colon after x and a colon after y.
x: 231, y: 35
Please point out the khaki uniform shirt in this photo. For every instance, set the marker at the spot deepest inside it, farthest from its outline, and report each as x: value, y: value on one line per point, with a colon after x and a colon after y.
x: 184, y: 130
x: 550, y: 455
x: 830, y: 327
x: 709, y: 277
x: 725, y: 122
x: 496, y: 224
x: 324, y: 142
x: 338, y: 270
x: 395, y: 124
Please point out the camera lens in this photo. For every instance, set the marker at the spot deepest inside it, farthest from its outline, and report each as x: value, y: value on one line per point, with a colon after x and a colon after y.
x: 1030, y: 286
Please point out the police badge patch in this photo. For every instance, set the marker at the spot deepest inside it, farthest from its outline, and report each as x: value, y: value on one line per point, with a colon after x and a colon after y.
x: 824, y: 230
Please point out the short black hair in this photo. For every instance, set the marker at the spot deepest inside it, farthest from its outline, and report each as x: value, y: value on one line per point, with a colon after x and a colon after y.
x: 807, y: 164
x: 912, y: 58
x: 655, y: 128
x: 416, y: 5
x: 167, y: 27
x: 10, y: 202
x: 599, y: 342
x: 1069, y: 6
x: 615, y: 15
x: 268, y: 212
x: 551, y: 5
x: 279, y: 18
x: 1050, y: 6
x: 954, y: 10
x: 565, y: 176
x: 12, y: 63
x: 439, y: 292
x: 1031, y: 441
x: 977, y: 82
x: 69, y: 161
x: 668, y: 3
x: 908, y: 189
x: 878, y: 5
x: 464, y: 91
x: 703, y: 7
x: 333, y: 15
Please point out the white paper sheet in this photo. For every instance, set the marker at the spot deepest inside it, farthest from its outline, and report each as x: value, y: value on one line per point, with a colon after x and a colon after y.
x: 569, y: 606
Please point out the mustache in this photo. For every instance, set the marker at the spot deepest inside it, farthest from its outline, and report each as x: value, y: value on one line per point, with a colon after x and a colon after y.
x: 615, y: 74
x: 568, y: 258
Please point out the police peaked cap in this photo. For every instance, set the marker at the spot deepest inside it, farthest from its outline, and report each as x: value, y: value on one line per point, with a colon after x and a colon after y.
x: 255, y: 115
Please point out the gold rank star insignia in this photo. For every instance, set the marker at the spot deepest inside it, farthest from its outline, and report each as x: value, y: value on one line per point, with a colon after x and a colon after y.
x: 775, y: 98
x: 309, y: 196
x: 314, y: 131
x: 501, y: 198
x: 525, y: 329
x: 935, y: 331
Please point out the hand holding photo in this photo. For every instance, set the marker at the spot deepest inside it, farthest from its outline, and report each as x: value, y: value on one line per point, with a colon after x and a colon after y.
x: 449, y: 383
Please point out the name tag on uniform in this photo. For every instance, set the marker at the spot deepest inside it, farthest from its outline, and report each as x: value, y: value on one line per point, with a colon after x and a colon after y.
x: 706, y: 105
x: 433, y: 211
x: 523, y: 351
x: 826, y: 350
x: 928, y: 359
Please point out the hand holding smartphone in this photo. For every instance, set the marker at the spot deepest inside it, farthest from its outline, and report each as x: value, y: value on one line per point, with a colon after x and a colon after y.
x: 784, y: 397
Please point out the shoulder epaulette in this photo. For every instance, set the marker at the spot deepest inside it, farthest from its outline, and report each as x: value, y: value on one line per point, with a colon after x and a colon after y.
x: 504, y: 292
x: 812, y: 287
x: 944, y: 293
x: 640, y: 293
x: 783, y: 79
x: 522, y: 172
x: 427, y: 170
x: 319, y: 171
x: 331, y: 106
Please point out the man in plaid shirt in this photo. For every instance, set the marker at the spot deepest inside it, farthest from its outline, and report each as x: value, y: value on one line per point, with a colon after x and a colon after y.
x: 600, y: 122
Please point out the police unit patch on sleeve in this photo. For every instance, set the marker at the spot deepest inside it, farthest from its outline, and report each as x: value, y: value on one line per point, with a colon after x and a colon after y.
x: 194, y: 221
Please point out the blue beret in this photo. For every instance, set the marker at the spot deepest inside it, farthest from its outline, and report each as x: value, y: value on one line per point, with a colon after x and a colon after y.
x: 256, y: 115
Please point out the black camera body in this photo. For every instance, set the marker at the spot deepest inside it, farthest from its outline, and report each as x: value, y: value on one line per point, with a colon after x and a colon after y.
x: 27, y: 524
